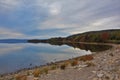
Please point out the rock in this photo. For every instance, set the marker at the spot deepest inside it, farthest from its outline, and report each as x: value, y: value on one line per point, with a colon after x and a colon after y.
x: 100, y: 75
x: 82, y: 66
x: 94, y: 72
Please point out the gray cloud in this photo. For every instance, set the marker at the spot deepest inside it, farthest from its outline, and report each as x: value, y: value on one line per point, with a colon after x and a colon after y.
x: 7, y: 33
x: 68, y: 16
x: 81, y: 15
x: 7, y: 6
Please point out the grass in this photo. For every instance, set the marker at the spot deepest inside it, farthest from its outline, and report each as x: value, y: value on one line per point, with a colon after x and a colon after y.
x: 53, y: 67
x: 36, y: 72
x: 45, y: 70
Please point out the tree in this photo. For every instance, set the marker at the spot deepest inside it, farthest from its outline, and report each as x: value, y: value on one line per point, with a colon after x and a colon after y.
x: 104, y: 36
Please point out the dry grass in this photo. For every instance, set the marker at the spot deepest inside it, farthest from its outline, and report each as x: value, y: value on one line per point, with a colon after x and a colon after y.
x: 74, y: 63
x: 45, y: 70
x: 20, y: 77
x: 36, y: 72
x: 67, y: 63
x: 86, y: 58
x: 53, y: 67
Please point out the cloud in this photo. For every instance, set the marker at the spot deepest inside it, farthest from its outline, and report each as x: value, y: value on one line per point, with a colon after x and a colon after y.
x: 8, y: 5
x: 80, y: 16
x: 59, y: 17
x: 98, y: 24
x: 8, y: 33
x: 55, y: 9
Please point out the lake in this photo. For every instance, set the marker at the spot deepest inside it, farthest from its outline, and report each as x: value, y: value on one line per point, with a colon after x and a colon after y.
x: 18, y: 55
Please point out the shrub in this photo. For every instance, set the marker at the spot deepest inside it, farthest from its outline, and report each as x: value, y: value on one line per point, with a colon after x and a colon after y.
x: 53, y: 67
x: 36, y: 72
x: 86, y: 58
x: 74, y: 63
x: 67, y: 63
x: 45, y: 70
x: 63, y: 66
x: 105, y: 36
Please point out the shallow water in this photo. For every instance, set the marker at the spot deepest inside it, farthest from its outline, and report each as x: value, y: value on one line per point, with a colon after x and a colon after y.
x: 16, y: 56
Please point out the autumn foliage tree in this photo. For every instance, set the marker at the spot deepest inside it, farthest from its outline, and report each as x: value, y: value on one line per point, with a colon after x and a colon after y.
x: 104, y: 36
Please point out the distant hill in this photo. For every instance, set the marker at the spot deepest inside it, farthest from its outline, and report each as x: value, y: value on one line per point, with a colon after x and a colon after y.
x: 103, y: 36
x: 111, y: 36
x: 13, y: 41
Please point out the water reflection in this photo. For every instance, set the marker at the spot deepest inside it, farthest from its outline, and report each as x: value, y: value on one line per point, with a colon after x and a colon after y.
x: 18, y: 56
x: 91, y: 47
x: 83, y: 46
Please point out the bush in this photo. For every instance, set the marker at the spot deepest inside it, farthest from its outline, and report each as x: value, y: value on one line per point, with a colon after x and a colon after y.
x: 74, y: 63
x: 36, y: 73
x: 45, y: 70
x: 53, y: 67
x: 63, y: 66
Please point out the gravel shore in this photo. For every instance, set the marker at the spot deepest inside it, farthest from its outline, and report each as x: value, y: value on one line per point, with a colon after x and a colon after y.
x: 103, y: 65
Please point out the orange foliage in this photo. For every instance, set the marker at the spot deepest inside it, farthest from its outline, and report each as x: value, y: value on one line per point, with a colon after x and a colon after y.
x: 86, y: 58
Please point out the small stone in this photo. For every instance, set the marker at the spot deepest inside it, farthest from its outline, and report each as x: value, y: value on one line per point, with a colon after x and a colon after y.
x: 82, y: 66
x: 100, y: 75
x: 94, y: 72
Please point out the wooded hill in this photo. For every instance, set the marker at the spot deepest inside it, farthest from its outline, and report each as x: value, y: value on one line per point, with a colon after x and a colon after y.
x: 112, y: 36
x: 103, y: 36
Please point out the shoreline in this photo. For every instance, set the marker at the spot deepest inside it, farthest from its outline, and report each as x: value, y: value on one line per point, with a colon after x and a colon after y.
x: 92, y: 59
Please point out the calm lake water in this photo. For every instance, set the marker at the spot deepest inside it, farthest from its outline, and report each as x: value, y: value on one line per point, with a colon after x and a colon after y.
x: 16, y: 56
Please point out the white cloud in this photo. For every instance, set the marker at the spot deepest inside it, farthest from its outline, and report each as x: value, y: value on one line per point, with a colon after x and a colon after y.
x: 9, y: 5
x: 80, y: 15
x: 55, y: 8
x: 98, y: 24
x: 8, y: 33
x: 52, y: 23
x: 104, y: 21
x: 69, y: 16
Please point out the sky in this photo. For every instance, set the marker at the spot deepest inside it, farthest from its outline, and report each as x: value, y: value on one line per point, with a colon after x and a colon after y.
x: 43, y: 19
